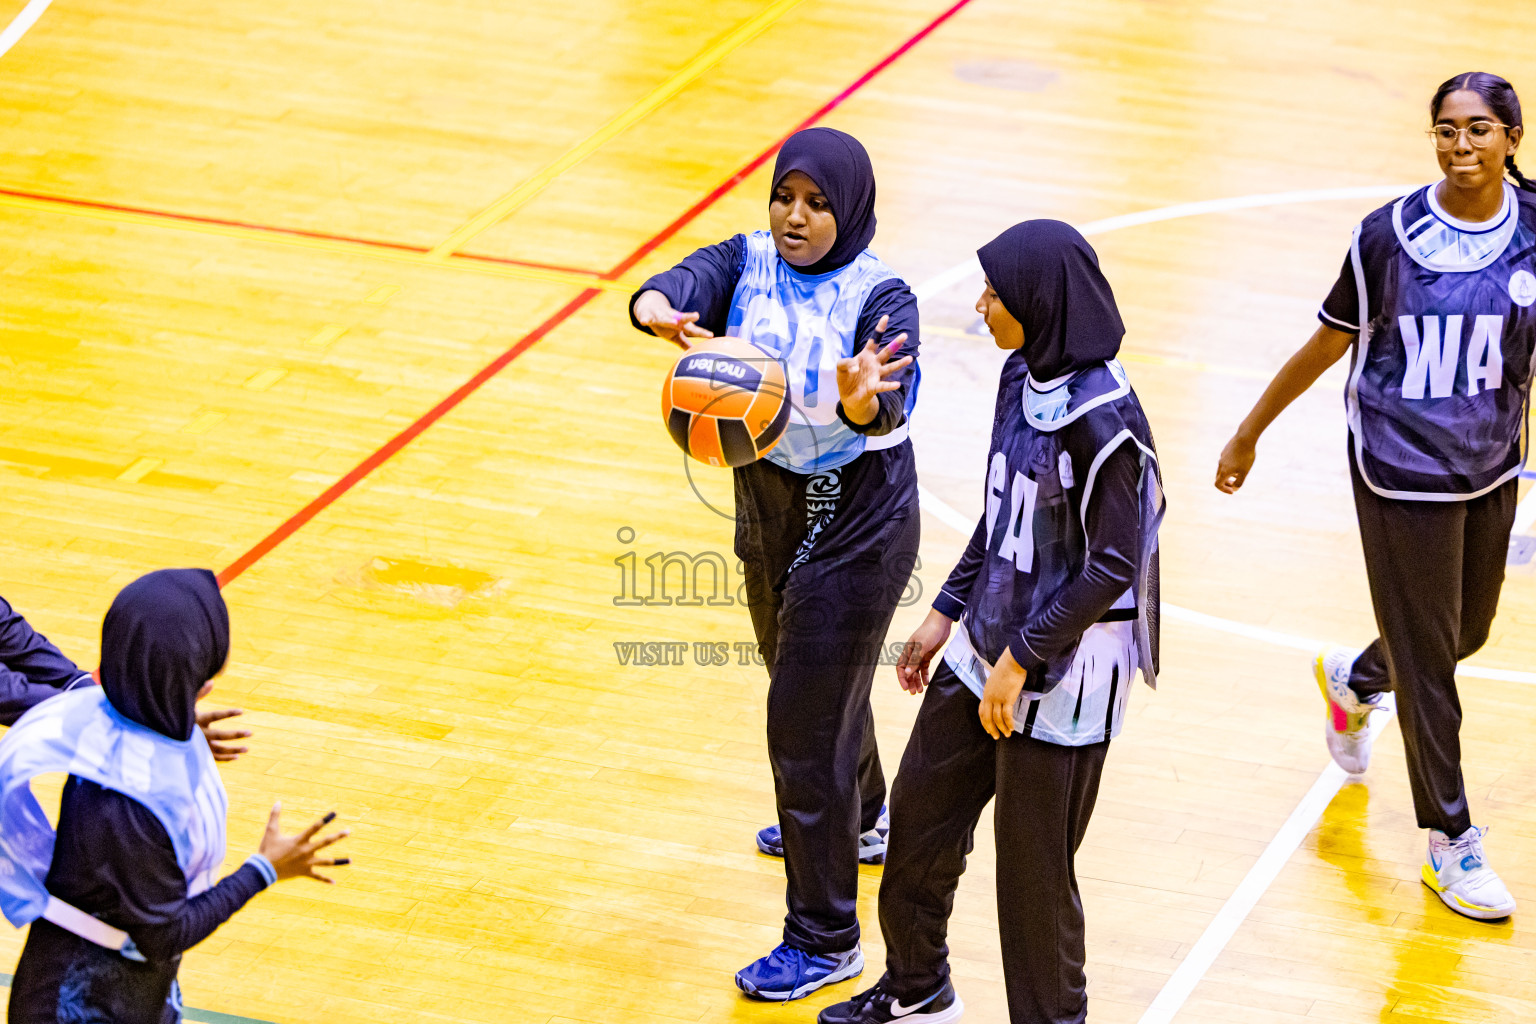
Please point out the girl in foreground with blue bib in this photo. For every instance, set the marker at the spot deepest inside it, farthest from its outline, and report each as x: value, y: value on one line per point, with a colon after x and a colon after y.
x: 128, y: 882
x: 1056, y: 598
x: 826, y: 523
x: 1435, y: 300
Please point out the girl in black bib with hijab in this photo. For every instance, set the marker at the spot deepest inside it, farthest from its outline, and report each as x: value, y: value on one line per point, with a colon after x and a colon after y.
x: 128, y: 882
x: 826, y: 523
x: 1056, y: 599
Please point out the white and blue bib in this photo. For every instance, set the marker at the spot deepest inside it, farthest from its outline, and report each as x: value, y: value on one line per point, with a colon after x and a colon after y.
x: 808, y: 323
x: 80, y: 733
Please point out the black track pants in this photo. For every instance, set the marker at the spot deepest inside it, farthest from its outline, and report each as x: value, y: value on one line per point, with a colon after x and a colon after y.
x: 827, y: 558
x: 825, y: 646
x: 1045, y: 796
x: 1435, y: 570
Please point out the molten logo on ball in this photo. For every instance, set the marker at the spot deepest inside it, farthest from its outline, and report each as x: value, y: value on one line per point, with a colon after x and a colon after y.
x: 725, y: 402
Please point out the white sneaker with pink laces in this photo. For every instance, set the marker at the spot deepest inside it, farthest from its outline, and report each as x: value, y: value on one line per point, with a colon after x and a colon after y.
x: 1347, y: 727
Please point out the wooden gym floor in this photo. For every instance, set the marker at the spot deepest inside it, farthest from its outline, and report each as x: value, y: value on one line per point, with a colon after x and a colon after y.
x: 249, y: 250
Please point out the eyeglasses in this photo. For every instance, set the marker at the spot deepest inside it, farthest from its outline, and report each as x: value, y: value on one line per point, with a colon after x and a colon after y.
x: 1479, y: 134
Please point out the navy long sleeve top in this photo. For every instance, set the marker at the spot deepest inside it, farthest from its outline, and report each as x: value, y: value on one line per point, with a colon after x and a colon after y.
x: 1109, y: 567
x: 705, y: 281
x: 114, y: 860
x: 31, y: 668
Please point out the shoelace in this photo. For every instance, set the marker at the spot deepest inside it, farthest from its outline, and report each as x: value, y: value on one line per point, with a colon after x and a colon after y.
x: 860, y: 1002
x: 1468, y: 845
x: 784, y: 953
x: 1364, y: 714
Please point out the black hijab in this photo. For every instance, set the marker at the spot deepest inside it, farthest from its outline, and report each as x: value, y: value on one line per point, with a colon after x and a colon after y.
x: 165, y: 635
x: 1048, y: 277
x: 840, y: 167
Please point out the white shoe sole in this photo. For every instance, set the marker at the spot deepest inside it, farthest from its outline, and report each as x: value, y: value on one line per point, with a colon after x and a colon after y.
x: 850, y: 970
x: 1456, y: 903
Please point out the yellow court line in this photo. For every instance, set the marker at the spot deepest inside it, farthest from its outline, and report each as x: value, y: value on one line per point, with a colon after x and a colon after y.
x: 313, y: 244
x: 689, y: 72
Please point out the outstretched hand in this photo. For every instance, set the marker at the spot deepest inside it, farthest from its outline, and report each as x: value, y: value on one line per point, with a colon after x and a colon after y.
x: 297, y: 856
x: 654, y: 310
x: 862, y: 376
x: 218, y: 739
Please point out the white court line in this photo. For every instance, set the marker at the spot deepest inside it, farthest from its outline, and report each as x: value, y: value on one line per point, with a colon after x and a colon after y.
x: 954, y: 275
x: 23, y: 21
x: 936, y: 507
x: 1525, y: 513
x: 1177, y: 989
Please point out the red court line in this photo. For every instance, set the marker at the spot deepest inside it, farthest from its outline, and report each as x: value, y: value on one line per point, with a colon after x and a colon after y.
x: 656, y: 240
x: 403, y: 438
x: 527, y: 341
x: 321, y: 236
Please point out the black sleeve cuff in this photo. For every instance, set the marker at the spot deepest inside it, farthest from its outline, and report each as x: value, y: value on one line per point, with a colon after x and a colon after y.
x: 858, y: 428
x: 1024, y: 654
x: 948, y: 606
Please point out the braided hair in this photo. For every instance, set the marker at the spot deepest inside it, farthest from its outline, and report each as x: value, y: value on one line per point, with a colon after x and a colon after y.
x: 1501, y: 99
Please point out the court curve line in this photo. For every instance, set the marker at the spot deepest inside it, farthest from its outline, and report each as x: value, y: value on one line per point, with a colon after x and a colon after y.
x: 21, y: 23
x: 954, y: 275
x: 636, y: 112
x: 949, y: 516
x: 594, y: 289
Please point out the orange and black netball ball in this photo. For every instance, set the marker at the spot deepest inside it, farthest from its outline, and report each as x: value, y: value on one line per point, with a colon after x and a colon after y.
x: 724, y: 402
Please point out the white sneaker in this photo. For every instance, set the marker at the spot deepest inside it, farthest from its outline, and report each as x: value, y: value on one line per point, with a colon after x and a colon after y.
x: 1347, y: 727
x: 1456, y: 871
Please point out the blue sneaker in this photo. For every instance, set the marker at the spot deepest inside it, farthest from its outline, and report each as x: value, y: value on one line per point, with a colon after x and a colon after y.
x: 771, y: 841
x: 789, y: 973
x: 871, y: 844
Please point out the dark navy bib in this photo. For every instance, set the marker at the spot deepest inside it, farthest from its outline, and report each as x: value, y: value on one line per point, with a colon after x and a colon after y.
x: 1442, y: 369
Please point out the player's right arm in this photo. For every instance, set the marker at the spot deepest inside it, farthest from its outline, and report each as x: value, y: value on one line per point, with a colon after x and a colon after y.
x: 693, y: 299
x: 1326, y: 347
x: 653, y: 311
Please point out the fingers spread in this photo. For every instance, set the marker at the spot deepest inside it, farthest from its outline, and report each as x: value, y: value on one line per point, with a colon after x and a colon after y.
x: 334, y: 837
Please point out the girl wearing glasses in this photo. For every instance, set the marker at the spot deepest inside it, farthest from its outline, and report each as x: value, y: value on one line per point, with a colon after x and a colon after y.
x: 1435, y: 300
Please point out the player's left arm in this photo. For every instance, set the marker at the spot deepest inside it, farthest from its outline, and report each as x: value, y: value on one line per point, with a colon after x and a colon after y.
x: 1113, y: 526
x: 885, y: 411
